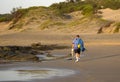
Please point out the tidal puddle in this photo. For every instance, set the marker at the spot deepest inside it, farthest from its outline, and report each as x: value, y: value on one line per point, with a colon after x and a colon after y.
x: 32, y: 74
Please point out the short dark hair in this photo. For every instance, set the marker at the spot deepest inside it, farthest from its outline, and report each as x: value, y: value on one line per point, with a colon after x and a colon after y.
x: 77, y: 36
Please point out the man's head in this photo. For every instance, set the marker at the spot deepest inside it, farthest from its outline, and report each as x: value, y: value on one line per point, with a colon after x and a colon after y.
x: 77, y: 36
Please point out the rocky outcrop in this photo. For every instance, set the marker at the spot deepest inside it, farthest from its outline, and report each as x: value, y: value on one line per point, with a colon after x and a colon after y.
x: 26, y: 53
x: 17, y: 53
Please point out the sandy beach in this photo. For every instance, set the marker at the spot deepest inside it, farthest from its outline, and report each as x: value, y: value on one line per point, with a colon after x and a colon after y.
x: 100, y: 63
x: 36, y: 41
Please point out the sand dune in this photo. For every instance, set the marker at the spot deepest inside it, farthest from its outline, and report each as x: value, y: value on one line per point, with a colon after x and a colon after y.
x: 99, y: 64
x: 112, y: 15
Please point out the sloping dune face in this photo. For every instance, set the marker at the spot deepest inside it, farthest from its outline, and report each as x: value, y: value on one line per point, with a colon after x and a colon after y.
x: 109, y: 14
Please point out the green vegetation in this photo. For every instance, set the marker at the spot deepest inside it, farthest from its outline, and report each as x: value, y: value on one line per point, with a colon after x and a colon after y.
x: 16, y: 26
x: 67, y: 7
x: 50, y: 23
x: 88, y: 8
x: 118, y: 24
x: 18, y: 14
x: 5, y: 17
x: 75, y: 23
x: 45, y: 24
x: 117, y: 27
x: 116, y: 30
x: 113, y: 4
x: 57, y: 13
x: 15, y: 14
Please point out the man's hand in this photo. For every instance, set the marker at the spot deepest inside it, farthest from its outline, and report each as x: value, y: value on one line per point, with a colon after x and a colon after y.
x: 72, y: 52
x: 72, y: 49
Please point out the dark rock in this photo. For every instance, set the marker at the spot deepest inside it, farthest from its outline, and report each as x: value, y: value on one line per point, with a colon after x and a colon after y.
x: 27, y: 53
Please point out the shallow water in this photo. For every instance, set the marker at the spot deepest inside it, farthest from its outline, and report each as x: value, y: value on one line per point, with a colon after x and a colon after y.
x: 23, y: 74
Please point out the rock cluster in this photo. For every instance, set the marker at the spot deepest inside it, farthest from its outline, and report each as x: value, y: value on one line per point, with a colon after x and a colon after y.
x: 25, y: 53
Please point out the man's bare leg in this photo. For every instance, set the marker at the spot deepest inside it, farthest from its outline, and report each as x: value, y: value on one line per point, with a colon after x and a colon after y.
x: 77, y: 57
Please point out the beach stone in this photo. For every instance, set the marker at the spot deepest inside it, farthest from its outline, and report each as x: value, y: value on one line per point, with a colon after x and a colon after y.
x: 36, y: 45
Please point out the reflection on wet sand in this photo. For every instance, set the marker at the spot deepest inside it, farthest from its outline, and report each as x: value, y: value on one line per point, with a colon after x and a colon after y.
x: 31, y: 74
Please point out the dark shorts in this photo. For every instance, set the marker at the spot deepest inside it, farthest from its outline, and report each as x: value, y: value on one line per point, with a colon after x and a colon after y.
x: 77, y: 50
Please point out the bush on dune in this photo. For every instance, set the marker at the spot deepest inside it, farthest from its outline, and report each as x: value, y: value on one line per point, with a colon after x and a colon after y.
x: 5, y: 17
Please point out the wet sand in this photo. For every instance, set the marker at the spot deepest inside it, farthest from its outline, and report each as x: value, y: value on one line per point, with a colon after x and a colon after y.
x: 99, y: 64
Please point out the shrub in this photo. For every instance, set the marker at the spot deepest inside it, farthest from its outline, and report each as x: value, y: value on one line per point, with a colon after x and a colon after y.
x: 88, y: 10
x: 45, y: 24
x: 5, y: 17
x: 113, y: 4
x: 117, y: 28
x: 18, y: 14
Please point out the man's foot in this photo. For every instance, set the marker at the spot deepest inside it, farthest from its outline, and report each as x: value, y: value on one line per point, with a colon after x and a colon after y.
x: 76, y: 60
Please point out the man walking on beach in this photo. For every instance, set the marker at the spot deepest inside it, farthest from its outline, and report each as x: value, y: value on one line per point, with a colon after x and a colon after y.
x: 77, y: 47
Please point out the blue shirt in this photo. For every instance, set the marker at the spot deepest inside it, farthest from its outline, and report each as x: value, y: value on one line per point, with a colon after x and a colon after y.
x: 77, y: 41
